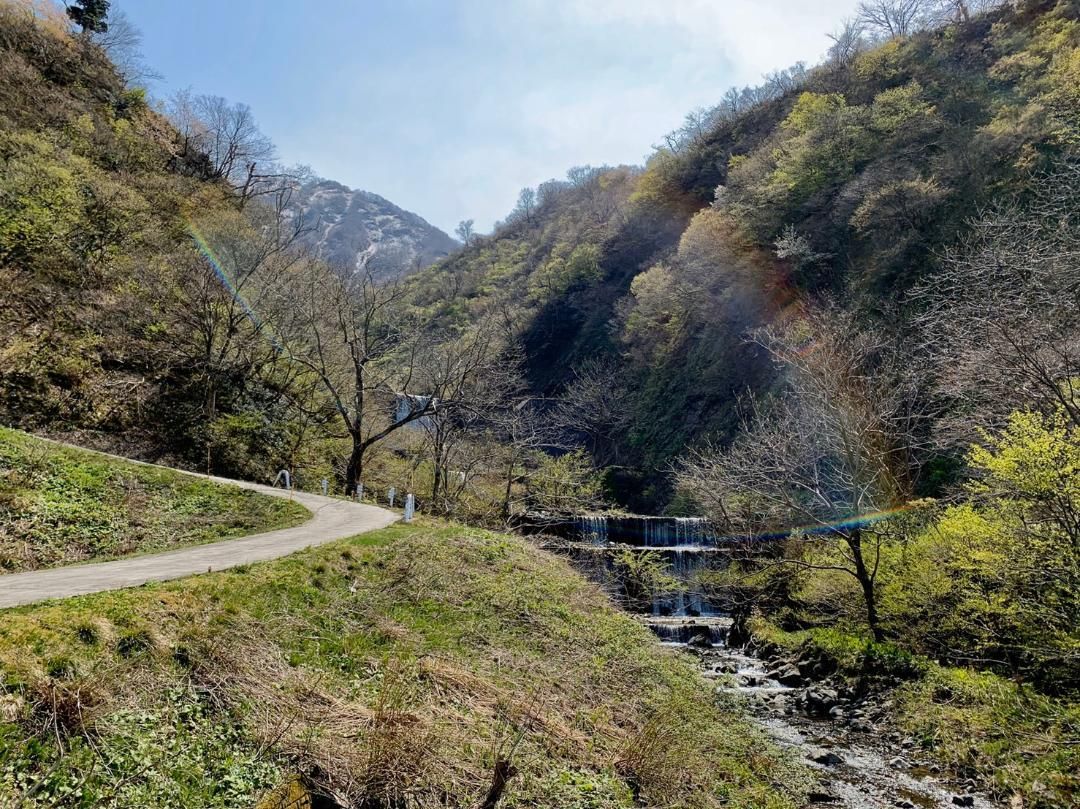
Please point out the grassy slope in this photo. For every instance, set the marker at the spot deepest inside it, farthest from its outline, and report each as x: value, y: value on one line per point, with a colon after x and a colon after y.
x: 59, y: 506
x: 394, y: 663
x: 1015, y: 739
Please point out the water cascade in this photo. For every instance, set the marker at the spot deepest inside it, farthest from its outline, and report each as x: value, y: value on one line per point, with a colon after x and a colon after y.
x: 651, y: 532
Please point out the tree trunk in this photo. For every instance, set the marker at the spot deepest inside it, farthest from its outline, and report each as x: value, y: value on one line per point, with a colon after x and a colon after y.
x: 436, y: 480
x: 866, y: 582
x: 508, y: 494
x: 355, y: 468
x: 504, y: 771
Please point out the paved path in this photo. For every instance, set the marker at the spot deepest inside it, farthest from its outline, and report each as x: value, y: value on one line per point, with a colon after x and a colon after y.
x: 331, y: 519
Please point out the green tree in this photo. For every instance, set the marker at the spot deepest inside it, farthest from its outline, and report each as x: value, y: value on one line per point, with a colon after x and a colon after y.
x: 997, y: 578
x: 90, y: 15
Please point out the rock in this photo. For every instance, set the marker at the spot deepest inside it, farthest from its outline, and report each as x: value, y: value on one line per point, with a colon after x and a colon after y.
x: 700, y: 641
x: 787, y: 674
x: 821, y: 797
x: 897, y: 763
x: 905, y: 805
x: 963, y: 800
x: 829, y: 759
x: 819, y: 701
x: 836, y: 712
x: 861, y: 726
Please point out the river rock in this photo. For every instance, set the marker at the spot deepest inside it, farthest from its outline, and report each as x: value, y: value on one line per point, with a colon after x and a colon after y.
x: 963, y: 800
x: 828, y: 758
x: 819, y: 701
x: 787, y: 674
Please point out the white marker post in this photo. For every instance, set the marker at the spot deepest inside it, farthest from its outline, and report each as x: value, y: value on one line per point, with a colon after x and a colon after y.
x: 390, y: 495
x: 325, y: 486
x: 410, y: 507
x: 359, y: 492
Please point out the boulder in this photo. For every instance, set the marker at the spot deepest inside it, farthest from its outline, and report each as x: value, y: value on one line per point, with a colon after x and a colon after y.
x: 819, y: 701
x: 787, y: 674
x: 829, y: 759
x: 700, y: 641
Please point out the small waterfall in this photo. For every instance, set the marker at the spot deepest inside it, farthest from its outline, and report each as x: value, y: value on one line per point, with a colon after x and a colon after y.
x: 687, y: 630
x: 593, y: 529
x: 685, y: 563
x: 649, y: 532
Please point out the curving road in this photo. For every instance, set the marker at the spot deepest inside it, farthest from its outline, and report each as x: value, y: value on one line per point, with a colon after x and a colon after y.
x: 331, y: 519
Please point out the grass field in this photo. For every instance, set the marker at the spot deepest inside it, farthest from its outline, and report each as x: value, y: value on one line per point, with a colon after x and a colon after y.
x: 61, y: 506
x: 396, y: 668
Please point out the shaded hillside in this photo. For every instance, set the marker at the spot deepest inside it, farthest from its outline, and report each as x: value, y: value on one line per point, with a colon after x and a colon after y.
x: 848, y: 182
x: 352, y: 229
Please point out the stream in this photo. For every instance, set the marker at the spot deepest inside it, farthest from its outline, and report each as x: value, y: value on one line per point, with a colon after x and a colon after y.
x: 860, y: 762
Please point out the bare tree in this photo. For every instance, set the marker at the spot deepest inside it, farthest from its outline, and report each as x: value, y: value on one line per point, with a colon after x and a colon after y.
x: 526, y: 205
x: 225, y: 143
x: 598, y: 405
x: 1002, y: 317
x: 355, y: 336
x: 465, y: 231
x: 122, y: 42
x: 848, y: 42
x: 226, y: 290
x: 839, y: 445
x: 474, y: 378
x: 893, y: 18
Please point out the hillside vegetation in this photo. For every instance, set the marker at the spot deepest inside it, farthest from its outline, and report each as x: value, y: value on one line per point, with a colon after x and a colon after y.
x: 60, y: 505
x: 406, y: 666
x: 849, y: 182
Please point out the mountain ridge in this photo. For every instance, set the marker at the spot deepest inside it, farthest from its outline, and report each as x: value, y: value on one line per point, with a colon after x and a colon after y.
x: 355, y: 228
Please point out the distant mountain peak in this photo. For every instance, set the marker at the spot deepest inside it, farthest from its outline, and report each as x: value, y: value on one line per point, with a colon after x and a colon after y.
x: 353, y: 228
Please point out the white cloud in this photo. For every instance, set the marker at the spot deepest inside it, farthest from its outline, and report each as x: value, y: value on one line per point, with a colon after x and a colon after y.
x: 755, y: 36
x: 521, y: 90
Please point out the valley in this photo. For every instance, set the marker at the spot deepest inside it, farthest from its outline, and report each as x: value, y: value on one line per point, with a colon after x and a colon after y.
x: 742, y: 475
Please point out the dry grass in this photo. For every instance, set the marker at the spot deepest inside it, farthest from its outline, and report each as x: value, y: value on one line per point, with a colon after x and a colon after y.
x: 422, y: 667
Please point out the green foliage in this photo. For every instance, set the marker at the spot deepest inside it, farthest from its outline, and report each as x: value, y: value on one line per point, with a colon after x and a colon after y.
x: 999, y: 576
x: 563, y: 483
x: 645, y: 574
x: 59, y: 506
x: 90, y: 15
x: 407, y: 653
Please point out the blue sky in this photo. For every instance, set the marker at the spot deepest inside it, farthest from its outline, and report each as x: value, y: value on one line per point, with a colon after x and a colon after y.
x: 449, y: 107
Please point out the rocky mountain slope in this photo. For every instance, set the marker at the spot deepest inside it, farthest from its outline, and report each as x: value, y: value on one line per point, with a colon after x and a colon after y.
x: 354, y: 228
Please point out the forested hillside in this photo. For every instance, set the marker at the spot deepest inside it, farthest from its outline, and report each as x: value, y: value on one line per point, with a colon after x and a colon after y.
x: 853, y: 181
x: 156, y: 257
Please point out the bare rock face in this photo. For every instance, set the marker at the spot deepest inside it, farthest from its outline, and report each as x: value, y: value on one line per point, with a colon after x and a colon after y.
x: 353, y: 229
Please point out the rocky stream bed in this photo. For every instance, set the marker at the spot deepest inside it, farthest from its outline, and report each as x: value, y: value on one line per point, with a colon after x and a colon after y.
x: 861, y: 761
